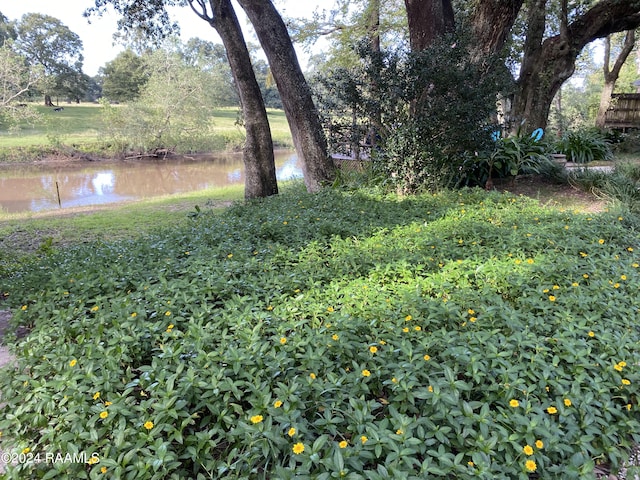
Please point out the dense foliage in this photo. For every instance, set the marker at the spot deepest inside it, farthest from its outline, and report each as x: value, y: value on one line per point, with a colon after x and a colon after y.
x: 430, y: 113
x: 460, y: 335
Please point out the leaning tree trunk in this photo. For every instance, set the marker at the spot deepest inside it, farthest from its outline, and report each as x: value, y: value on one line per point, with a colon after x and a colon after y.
x: 428, y: 21
x: 547, y: 64
x: 304, y: 122
x: 47, y: 101
x: 259, y: 164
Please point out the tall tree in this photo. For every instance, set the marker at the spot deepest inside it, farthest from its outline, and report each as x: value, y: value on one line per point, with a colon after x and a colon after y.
x: 548, y: 62
x: 151, y: 17
x: 428, y: 21
x: 611, y: 74
x: 303, y: 118
x: 124, y: 77
x: 7, y: 30
x: 46, y: 41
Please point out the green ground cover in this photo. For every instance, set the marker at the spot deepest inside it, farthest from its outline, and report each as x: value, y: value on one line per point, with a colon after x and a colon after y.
x: 80, y: 127
x: 338, y: 335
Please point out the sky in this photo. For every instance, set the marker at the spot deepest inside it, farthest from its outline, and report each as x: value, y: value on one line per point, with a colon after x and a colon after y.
x: 97, y: 36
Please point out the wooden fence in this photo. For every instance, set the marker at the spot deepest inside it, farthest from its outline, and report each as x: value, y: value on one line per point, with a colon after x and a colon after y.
x: 624, y: 111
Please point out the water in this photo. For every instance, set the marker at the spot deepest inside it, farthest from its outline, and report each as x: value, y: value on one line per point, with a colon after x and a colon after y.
x: 33, y: 187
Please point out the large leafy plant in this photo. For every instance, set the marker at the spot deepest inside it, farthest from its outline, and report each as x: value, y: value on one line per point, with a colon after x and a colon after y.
x: 517, y: 154
x: 584, y: 146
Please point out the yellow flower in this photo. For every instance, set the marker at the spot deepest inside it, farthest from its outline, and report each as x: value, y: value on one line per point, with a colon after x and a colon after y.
x: 470, y: 463
x: 635, y: 265
x: 518, y: 261
x: 575, y: 284
x: 417, y: 328
x: 335, y: 337
x: 298, y: 448
x: 405, y: 329
x: 623, y: 277
x: 408, y: 318
x: 103, y: 470
x: 617, y: 367
x: 552, y: 298
x: 394, y: 380
x: 567, y: 402
x: 312, y: 375
x: 366, y: 373
x: 256, y: 419
x: 546, y: 290
x: 104, y: 414
x: 373, y: 349
x: 539, y: 444
x: 628, y: 406
x: 95, y: 308
x: 363, y: 439
x: 622, y: 363
x: 430, y: 389
x: 270, y: 307
x: 528, y: 450
x: 343, y: 444
x: 591, y: 334
x: 134, y: 314
x: 427, y: 358
x: 291, y: 432
x: 472, y: 319
x: 399, y: 431
x: 601, y: 241
x: 93, y: 460
x: 626, y: 382
x: 330, y: 309
x: 283, y: 340
x: 26, y: 450
x: 471, y: 311
x: 96, y: 395
x: 585, y: 275
x: 556, y: 287
x: 277, y: 403
x: 530, y: 465
x: 170, y: 327
x: 23, y: 308
x: 514, y: 403
x: 106, y: 404
x: 230, y: 255
x: 552, y: 410
x: 73, y: 363
x: 148, y: 425
x: 530, y: 261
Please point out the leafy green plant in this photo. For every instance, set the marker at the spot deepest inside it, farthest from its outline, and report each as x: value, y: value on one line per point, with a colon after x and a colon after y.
x: 518, y: 154
x: 462, y: 334
x: 585, y: 146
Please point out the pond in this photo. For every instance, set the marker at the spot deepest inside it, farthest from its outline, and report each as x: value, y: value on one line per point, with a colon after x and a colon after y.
x: 35, y: 187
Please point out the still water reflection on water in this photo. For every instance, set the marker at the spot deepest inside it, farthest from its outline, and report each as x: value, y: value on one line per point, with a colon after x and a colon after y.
x: 33, y: 187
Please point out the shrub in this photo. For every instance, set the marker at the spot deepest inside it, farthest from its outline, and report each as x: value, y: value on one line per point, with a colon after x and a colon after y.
x: 462, y: 335
x: 585, y: 146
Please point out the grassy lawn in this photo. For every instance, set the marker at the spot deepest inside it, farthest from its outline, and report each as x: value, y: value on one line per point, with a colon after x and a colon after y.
x: 345, y: 334
x: 81, y: 126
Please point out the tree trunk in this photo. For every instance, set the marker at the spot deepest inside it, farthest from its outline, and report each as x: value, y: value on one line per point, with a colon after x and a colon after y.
x: 304, y: 122
x: 491, y: 25
x: 47, y: 101
x: 548, y: 64
x: 611, y: 75
x: 259, y: 163
x: 428, y: 20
